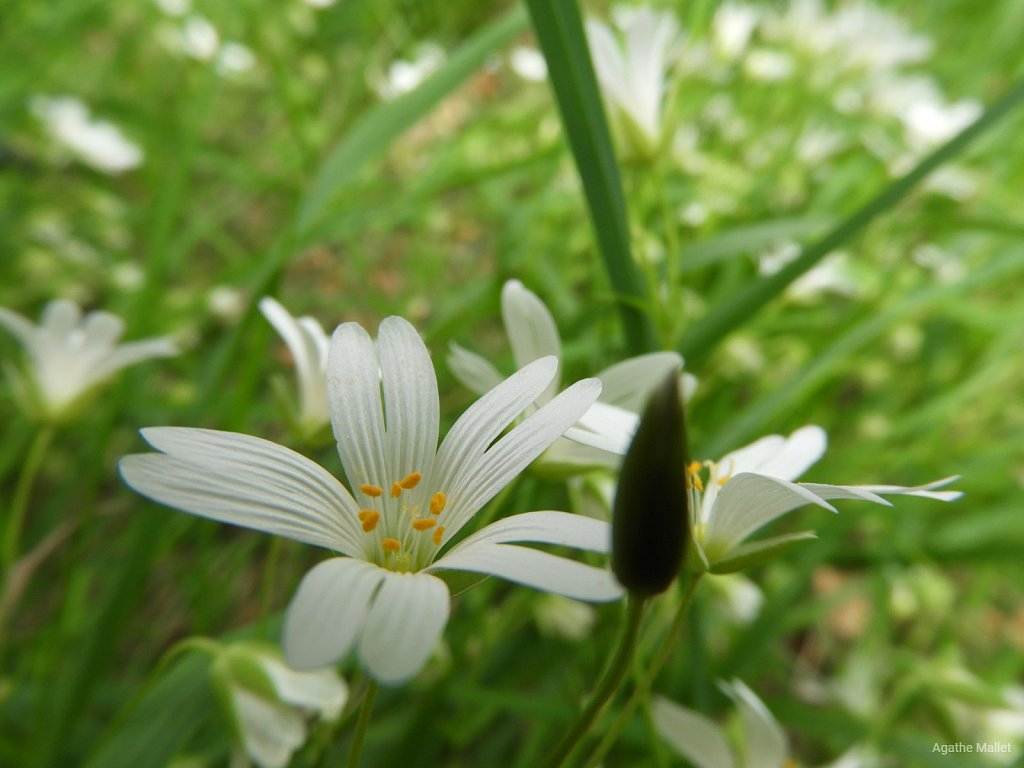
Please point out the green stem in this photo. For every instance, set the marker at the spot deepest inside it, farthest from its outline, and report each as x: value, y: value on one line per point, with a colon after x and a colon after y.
x: 269, y: 577
x: 643, y: 688
x: 364, y: 721
x: 609, y: 684
x: 19, y: 504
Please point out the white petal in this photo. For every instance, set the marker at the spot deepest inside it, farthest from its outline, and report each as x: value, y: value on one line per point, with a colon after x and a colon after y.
x: 353, y: 391
x: 270, y: 731
x: 320, y: 690
x: 483, y: 475
x: 61, y: 317
x: 605, y: 427
x: 748, y: 502
x: 764, y: 742
x: 775, y: 456
x: 927, y: 491
x: 825, y: 491
x: 243, y: 480
x: 102, y: 329
x: 307, y: 342
x: 411, y: 407
x: 609, y: 64
x: 404, y: 625
x: 647, y: 43
x: 545, y: 528
x: 474, y: 372
x: 19, y: 327
x: 534, y: 568
x: 531, y: 330
x: 328, y: 612
x: 131, y: 353
x: 694, y: 736
x: 628, y: 384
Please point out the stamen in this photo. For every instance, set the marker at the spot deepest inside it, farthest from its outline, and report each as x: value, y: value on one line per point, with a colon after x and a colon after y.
x: 373, y: 491
x: 693, y: 476
x: 396, y: 490
x: 411, y: 480
x: 369, y: 518
x: 421, y: 524
x: 437, y: 503
x: 438, y: 535
x: 391, y: 545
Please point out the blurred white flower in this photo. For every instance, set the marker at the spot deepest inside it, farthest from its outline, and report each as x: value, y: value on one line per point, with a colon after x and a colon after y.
x: 404, y: 75
x: 234, y: 59
x: 409, y: 499
x: 96, y: 143
x: 308, y: 344
x: 767, y: 65
x: 930, y: 123
x: 267, y: 702
x: 70, y: 355
x: 762, y: 742
x: 558, y: 616
x: 528, y: 63
x: 199, y: 38
x: 741, y: 598
x: 174, y: 7
x: 633, y: 75
x: 319, y: 3
x: 732, y: 26
x: 226, y: 303
x: 532, y: 333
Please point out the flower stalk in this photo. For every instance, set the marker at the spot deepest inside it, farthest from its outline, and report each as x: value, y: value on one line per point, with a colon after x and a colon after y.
x: 19, y: 503
x: 365, y: 711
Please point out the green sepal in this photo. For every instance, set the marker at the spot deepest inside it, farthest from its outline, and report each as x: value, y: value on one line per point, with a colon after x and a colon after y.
x: 650, y: 518
x: 756, y: 552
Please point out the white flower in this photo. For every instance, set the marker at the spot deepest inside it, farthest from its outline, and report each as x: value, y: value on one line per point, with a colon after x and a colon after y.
x: 409, y: 499
x: 732, y: 26
x: 267, y: 701
x: 763, y: 743
x: 632, y: 77
x: 532, y: 333
x: 405, y: 75
x: 70, y: 355
x: 752, y: 486
x: 308, y: 344
x: 234, y: 59
x: 96, y: 143
x: 528, y: 63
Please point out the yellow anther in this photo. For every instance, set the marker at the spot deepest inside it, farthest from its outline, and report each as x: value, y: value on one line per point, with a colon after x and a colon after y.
x: 693, y: 476
x: 722, y: 480
x: 422, y: 523
x: 411, y: 480
x: 373, y: 491
x: 391, y: 545
x: 437, y: 502
x: 438, y: 535
x: 396, y: 490
x: 369, y: 518
x: 694, y: 467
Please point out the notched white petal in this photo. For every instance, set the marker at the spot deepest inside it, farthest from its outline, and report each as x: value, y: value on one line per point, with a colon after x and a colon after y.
x: 694, y: 736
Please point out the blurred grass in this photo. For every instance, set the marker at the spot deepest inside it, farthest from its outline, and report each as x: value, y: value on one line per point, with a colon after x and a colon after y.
x: 915, y: 375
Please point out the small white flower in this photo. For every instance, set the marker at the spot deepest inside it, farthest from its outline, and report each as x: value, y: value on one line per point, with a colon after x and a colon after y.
x: 528, y: 63
x: 70, y: 355
x: 768, y: 66
x: 405, y: 75
x: 763, y: 743
x: 752, y: 486
x: 632, y: 76
x: 267, y: 701
x: 532, y: 333
x: 199, y: 38
x: 409, y: 498
x: 234, y: 59
x: 732, y: 26
x: 96, y: 143
x: 308, y: 344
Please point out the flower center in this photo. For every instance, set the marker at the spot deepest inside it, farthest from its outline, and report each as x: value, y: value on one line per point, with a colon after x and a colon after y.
x: 403, y: 526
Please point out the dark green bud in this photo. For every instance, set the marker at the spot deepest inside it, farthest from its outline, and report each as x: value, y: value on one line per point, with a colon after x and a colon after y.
x: 650, y: 520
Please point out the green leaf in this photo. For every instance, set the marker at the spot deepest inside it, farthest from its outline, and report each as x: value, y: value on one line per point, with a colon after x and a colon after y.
x: 756, y: 552
x: 749, y: 239
x: 740, y: 307
x: 373, y: 133
x: 560, y: 33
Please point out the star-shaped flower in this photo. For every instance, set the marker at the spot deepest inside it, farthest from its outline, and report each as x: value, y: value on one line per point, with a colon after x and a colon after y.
x: 408, y: 499
x: 632, y: 75
x: 70, y: 355
x: 532, y: 333
x: 308, y: 344
x: 753, y: 486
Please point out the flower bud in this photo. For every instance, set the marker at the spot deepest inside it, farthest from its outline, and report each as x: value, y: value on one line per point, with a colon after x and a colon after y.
x: 650, y: 520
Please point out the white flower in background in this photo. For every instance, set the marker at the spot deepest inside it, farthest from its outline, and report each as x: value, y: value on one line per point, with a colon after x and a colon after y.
x: 528, y: 63
x: 557, y: 616
x: 752, y: 486
x: 174, y: 7
x: 741, y: 599
x: 732, y: 27
x: 70, y: 355
x: 199, y: 38
x: 234, y: 59
x: 308, y: 344
x: 409, y: 498
x: 763, y: 743
x: 930, y: 123
x: 532, y: 333
x: 96, y: 143
x: 704, y: 743
x: 319, y: 3
x: 767, y: 65
x: 405, y: 75
x: 633, y: 75
x: 268, y: 703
